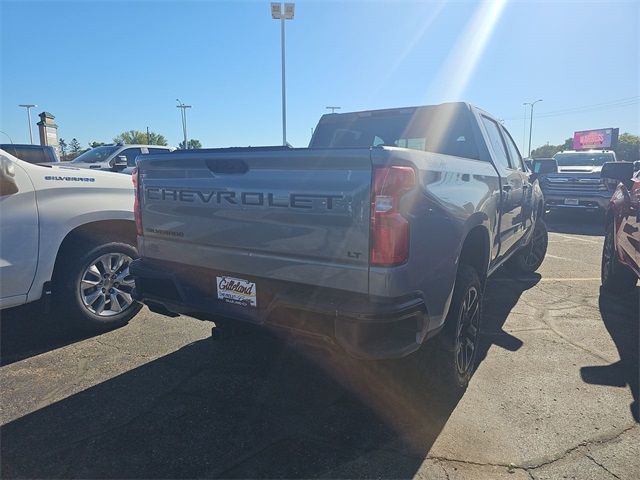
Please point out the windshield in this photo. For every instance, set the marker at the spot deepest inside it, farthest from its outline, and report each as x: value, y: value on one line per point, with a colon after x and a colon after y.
x: 95, y: 155
x: 583, y: 159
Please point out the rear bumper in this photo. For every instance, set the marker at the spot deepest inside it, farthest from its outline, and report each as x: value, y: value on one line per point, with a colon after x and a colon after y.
x: 586, y: 201
x: 365, y: 326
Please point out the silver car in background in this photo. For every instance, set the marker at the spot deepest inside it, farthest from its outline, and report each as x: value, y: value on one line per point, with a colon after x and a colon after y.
x: 116, y: 158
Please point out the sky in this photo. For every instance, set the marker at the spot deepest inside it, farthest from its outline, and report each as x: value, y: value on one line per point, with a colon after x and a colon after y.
x: 103, y: 67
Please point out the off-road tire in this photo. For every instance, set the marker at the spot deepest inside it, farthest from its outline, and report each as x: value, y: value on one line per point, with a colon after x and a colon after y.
x: 530, y: 257
x: 461, y: 330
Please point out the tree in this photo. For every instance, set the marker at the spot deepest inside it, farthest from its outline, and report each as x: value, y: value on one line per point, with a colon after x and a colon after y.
x: 628, y: 148
x: 96, y: 144
x: 63, y: 149
x: 193, y: 143
x: 548, y: 151
x: 139, y: 137
x: 75, y: 145
x: 545, y: 151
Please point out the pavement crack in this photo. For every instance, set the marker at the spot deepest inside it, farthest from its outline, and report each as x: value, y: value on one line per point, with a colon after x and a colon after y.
x: 601, y: 466
x: 527, y: 467
x: 446, y: 474
x: 582, y: 445
x: 470, y: 462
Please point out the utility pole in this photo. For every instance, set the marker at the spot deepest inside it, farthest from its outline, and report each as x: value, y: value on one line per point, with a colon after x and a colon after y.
x: 278, y: 14
x: 524, y: 127
x: 183, y: 108
x: 531, y: 123
x: 29, y: 106
x: 333, y: 109
x: 148, y: 138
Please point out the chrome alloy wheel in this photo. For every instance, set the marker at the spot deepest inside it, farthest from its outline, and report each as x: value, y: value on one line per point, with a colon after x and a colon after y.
x: 467, y: 331
x: 105, y: 286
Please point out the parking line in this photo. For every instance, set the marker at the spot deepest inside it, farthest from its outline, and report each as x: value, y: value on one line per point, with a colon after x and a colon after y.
x: 575, y: 237
x: 547, y: 279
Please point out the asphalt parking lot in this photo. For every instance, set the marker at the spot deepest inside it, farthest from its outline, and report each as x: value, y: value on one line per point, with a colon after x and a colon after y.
x: 554, y: 396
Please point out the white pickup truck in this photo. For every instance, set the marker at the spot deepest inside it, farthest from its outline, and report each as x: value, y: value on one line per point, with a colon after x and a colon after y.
x: 68, y: 235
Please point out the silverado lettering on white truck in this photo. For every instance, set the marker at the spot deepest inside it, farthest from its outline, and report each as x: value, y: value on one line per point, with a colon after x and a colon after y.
x: 383, y: 231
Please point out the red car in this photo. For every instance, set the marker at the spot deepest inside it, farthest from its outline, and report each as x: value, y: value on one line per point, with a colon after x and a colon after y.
x: 621, y: 251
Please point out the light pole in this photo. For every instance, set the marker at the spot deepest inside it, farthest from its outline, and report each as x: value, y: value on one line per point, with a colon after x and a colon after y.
x: 29, y: 106
x: 531, y: 122
x: 278, y: 14
x: 333, y: 109
x: 524, y: 127
x: 183, y: 111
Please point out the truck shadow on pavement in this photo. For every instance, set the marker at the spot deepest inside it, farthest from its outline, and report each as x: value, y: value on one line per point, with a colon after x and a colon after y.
x: 620, y: 314
x: 576, y: 223
x: 27, y: 331
x: 248, y: 406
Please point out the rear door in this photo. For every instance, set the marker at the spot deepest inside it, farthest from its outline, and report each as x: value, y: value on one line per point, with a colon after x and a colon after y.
x: 511, y: 184
x: 526, y: 218
x: 296, y: 215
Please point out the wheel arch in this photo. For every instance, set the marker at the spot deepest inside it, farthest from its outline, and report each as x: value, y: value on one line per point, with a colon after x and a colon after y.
x: 93, y: 232
x: 475, y: 251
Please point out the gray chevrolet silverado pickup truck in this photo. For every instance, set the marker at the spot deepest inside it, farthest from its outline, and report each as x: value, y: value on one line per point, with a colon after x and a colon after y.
x: 378, y: 236
x: 577, y: 184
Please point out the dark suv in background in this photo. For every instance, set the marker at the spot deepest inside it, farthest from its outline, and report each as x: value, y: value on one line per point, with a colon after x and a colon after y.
x: 31, y: 153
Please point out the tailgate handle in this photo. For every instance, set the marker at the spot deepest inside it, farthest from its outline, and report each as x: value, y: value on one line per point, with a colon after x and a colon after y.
x: 228, y: 166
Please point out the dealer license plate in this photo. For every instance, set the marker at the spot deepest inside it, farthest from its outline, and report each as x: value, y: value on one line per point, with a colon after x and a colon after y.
x: 236, y: 291
x: 571, y: 201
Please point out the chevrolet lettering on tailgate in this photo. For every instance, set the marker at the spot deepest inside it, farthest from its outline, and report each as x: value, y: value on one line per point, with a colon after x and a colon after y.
x: 251, y: 199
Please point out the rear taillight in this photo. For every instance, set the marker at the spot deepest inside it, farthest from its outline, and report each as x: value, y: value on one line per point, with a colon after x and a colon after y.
x: 389, y: 229
x: 136, y: 201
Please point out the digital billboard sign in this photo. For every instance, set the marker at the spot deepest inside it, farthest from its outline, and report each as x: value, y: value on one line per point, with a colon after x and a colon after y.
x: 605, y: 138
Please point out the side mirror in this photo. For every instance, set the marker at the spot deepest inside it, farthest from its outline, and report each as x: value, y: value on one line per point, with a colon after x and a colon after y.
x: 620, y: 172
x: 528, y: 163
x: 119, y: 162
x: 542, y: 167
x: 8, y: 185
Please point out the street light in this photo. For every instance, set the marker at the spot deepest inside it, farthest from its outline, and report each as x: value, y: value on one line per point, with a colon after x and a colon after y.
x: 183, y: 111
x: 333, y: 109
x: 531, y: 122
x: 278, y: 14
x: 29, y: 106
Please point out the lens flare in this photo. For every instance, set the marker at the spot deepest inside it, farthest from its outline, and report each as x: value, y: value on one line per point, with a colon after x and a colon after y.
x: 463, y: 59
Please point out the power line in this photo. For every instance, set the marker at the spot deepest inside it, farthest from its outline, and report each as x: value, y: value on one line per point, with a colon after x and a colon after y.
x: 624, y: 102
x: 589, y: 109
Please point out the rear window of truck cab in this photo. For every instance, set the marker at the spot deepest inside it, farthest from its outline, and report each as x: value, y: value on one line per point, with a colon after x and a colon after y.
x: 438, y: 129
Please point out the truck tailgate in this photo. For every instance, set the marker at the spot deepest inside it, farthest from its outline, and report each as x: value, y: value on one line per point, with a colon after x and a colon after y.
x: 299, y: 215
